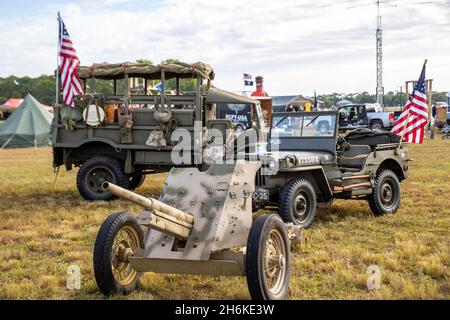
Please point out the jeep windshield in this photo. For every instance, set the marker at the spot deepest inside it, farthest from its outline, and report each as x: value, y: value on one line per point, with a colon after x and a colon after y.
x: 289, y: 131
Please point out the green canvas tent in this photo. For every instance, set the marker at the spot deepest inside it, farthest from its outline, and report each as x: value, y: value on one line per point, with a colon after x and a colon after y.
x: 28, y: 126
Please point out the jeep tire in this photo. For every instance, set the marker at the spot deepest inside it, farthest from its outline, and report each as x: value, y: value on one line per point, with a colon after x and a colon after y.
x: 298, y: 203
x: 385, y: 197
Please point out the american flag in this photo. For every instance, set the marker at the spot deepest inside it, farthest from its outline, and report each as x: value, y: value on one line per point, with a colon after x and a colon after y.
x: 68, y: 66
x: 247, y: 76
x: 414, y: 117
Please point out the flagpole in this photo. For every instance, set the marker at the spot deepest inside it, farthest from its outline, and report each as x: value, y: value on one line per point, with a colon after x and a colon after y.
x: 403, y: 131
x: 57, y: 59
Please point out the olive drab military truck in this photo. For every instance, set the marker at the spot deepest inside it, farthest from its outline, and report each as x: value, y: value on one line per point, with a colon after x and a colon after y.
x: 308, y: 164
x: 136, y: 130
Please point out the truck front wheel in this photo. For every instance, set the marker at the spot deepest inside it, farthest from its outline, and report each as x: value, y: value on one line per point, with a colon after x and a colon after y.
x: 94, y: 172
x: 298, y: 203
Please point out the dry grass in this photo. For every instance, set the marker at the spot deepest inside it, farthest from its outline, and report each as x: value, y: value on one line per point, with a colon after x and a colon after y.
x: 43, y: 231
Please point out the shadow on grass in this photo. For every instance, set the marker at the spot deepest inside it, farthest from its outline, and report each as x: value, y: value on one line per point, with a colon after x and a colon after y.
x: 48, y: 200
x: 343, y: 210
x: 337, y: 212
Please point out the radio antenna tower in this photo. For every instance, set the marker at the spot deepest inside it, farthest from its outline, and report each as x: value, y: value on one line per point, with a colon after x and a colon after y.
x: 379, y: 36
x: 379, y: 33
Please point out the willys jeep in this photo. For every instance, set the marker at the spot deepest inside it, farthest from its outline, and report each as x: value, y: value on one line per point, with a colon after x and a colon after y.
x: 308, y: 164
x: 136, y: 130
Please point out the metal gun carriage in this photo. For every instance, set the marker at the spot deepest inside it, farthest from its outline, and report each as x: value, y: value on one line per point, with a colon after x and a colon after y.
x: 202, y: 224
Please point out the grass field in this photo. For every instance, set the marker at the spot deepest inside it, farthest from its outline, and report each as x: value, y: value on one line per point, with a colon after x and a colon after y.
x: 45, y: 230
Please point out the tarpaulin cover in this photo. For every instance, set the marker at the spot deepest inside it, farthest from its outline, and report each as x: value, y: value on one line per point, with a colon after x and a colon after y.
x: 106, y: 71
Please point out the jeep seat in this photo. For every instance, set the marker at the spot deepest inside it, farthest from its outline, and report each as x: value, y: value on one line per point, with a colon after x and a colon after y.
x: 354, y: 159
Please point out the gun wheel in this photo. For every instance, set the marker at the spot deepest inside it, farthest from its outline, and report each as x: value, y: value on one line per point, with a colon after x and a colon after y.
x: 267, y: 261
x: 125, y: 245
x: 274, y: 261
x: 119, y: 238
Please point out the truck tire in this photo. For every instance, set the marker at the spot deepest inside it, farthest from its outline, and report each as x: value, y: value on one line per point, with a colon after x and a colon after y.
x: 385, y: 197
x: 376, y: 125
x: 135, y: 180
x: 267, y: 262
x: 113, y: 273
x: 94, y: 172
x: 298, y: 203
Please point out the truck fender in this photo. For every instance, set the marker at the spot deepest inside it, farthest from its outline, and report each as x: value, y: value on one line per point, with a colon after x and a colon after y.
x: 101, y: 140
x: 394, y: 165
x: 322, y: 183
x: 320, y: 178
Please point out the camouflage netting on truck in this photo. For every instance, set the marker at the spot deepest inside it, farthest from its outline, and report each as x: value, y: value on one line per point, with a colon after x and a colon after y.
x: 107, y: 71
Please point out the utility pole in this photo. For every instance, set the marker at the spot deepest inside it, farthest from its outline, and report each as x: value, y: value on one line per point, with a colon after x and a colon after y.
x: 379, y: 34
x: 379, y: 44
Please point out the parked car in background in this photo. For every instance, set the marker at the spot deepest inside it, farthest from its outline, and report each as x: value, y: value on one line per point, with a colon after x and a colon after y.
x: 355, y: 116
x: 352, y: 116
x: 373, y: 107
x: 381, y: 120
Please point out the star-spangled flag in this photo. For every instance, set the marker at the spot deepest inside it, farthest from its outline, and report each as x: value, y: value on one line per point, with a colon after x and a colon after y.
x: 414, y: 117
x: 247, y: 76
x: 68, y: 66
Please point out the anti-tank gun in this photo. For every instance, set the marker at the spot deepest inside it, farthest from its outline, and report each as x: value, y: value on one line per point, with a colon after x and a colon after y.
x: 202, y: 224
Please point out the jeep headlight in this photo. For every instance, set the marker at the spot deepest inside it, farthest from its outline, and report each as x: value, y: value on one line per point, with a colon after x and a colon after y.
x: 269, y: 166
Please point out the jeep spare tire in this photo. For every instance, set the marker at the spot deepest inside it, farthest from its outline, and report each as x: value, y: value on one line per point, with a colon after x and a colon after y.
x: 94, y: 172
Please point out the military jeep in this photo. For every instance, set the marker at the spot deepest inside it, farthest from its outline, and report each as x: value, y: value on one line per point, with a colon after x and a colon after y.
x: 122, y: 136
x: 309, y: 164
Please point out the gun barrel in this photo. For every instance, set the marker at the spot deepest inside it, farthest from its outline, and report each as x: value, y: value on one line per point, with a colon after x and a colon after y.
x: 148, y: 203
x: 165, y: 224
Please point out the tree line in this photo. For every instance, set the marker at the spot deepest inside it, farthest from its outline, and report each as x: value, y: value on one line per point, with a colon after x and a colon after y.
x: 43, y: 89
x: 391, y: 99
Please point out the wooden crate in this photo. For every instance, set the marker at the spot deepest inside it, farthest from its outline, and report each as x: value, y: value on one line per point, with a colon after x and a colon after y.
x: 441, y: 114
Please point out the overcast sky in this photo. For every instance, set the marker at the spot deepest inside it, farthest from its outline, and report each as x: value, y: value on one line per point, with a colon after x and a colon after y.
x: 298, y: 46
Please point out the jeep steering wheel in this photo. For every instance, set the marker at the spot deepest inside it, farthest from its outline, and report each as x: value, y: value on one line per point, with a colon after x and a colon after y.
x: 340, y: 143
